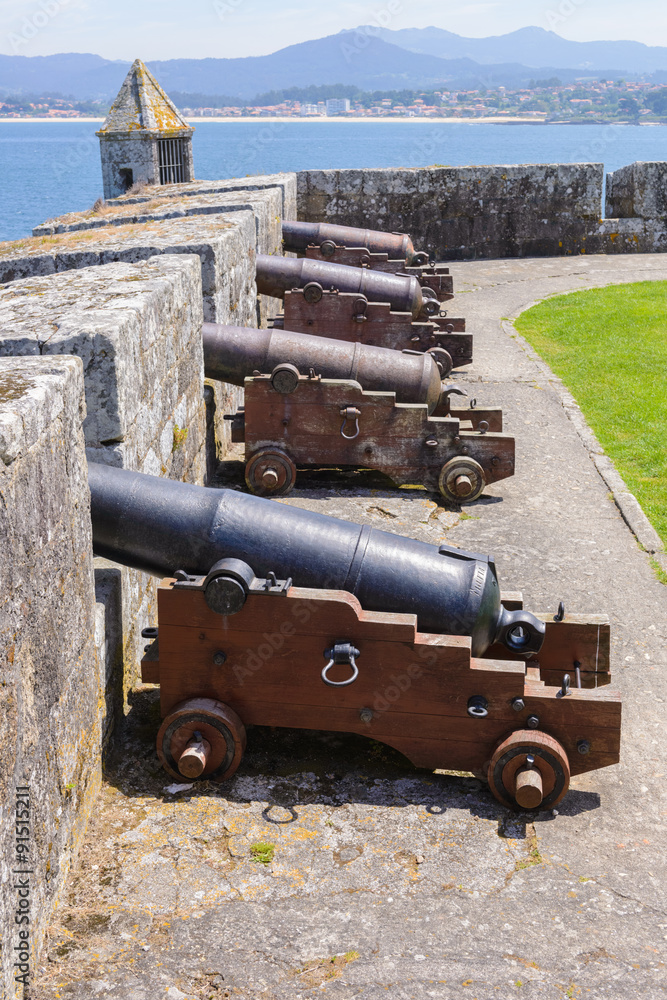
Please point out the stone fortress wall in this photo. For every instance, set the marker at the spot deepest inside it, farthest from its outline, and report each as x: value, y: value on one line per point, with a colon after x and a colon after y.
x: 137, y: 330
x: 101, y: 356
x: 466, y: 213
x: 53, y: 688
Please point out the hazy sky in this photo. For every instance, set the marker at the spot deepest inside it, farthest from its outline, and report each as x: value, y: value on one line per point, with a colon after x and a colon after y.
x: 168, y: 29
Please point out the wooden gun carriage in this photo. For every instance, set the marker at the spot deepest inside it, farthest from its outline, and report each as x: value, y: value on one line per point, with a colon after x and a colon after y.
x: 387, y: 636
x: 231, y: 650
x: 291, y: 420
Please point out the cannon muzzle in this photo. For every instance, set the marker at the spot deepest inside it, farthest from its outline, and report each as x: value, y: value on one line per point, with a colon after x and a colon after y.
x: 233, y: 353
x: 161, y: 526
x: 297, y: 236
x: 277, y: 275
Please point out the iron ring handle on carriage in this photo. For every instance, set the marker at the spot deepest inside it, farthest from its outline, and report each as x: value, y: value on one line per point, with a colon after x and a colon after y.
x: 342, y: 652
x: 350, y: 413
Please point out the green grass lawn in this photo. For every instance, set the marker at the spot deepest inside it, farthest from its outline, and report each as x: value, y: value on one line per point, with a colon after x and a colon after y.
x: 609, y: 346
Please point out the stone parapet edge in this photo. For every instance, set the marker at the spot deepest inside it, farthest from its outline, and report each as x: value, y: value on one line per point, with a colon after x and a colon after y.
x: 627, y: 503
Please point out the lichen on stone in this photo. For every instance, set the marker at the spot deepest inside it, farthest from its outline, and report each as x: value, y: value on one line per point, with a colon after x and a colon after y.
x: 143, y: 106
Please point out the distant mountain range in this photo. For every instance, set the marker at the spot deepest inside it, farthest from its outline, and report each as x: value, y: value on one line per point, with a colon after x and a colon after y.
x: 532, y: 47
x: 368, y: 58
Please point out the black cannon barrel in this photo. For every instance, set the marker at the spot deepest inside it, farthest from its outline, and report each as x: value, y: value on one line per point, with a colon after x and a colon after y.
x: 297, y: 236
x: 277, y: 275
x: 233, y: 353
x: 160, y: 526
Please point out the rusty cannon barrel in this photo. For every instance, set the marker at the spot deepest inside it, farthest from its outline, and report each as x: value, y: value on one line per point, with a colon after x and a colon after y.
x: 298, y: 236
x: 161, y: 526
x: 233, y: 353
x: 277, y: 275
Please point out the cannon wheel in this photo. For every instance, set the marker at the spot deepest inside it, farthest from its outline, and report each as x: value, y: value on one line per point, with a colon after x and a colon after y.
x: 222, y: 731
x: 270, y: 473
x: 461, y: 480
x: 539, y: 786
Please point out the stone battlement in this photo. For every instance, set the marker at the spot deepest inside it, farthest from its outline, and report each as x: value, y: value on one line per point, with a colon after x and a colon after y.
x: 101, y: 358
x: 518, y: 210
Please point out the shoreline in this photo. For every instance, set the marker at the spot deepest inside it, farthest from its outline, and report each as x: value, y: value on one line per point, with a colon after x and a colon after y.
x: 356, y: 121
x: 320, y: 118
x: 379, y: 121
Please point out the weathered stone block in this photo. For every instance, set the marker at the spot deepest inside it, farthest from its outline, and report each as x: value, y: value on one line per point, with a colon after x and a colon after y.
x: 637, y: 191
x: 137, y: 330
x: 464, y: 212
x: 285, y: 182
x: 52, y: 686
x: 633, y: 235
x: 225, y: 248
x: 136, y: 327
x: 18, y: 266
x: 265, y: 204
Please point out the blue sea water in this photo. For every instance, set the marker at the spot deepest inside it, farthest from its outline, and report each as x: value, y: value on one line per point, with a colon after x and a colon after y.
x: 50, y: 168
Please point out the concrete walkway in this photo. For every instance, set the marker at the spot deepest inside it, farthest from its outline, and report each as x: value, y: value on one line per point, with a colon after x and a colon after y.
x: 421, y: 884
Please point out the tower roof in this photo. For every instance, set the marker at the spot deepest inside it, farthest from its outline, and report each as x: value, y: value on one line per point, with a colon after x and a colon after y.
x: 143, y: 107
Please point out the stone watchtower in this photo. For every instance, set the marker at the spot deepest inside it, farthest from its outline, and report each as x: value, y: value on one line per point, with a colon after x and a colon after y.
x: 144, y: 138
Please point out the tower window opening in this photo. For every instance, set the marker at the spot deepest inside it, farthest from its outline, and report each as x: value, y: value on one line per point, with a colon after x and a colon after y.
x: 171, y: 154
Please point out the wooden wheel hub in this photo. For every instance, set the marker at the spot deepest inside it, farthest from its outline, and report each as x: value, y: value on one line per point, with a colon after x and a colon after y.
x: 461, y: 479
x: 201, y: 738
x: 270, y: 473
x: 529, y: 770
x: 463, y: 486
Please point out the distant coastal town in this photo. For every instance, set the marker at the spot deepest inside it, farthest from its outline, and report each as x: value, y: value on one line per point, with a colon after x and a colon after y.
x: 50, y: 107
x: 547, y: 100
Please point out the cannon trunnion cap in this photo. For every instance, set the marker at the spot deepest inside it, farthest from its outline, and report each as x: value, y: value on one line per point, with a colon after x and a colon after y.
x: 226, y: 586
